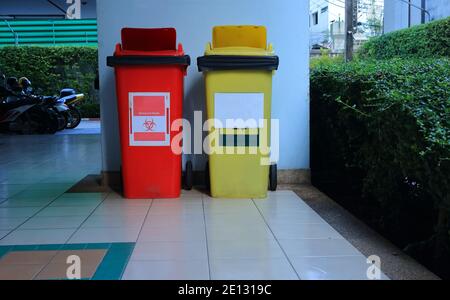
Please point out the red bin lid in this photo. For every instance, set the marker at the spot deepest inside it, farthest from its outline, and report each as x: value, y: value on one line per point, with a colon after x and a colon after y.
x: 149, y: 39
x: 147, y: 46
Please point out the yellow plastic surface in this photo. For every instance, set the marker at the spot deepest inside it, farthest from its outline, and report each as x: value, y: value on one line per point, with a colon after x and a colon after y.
x: 237, y: 175
x: 240, y: 36
x: 238, y: 51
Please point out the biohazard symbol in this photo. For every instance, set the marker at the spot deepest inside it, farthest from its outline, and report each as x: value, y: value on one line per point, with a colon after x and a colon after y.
x: 149, y: 125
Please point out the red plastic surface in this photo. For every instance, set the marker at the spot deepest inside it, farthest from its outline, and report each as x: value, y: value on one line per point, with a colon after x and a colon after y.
x: 149, y: 39
x: 149, y: 171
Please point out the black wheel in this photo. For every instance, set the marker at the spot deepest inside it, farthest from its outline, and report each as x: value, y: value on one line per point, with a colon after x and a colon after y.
x: 207, y: 179
x: 53, y: 122
x: 32, y: 122
x: 74, y: 118
x: 188, y: 176
x: 273, y: 178
x: 62, y: 121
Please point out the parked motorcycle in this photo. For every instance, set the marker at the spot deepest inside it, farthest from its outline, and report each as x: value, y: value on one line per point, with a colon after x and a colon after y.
x: 23, y: 112
x: 69, y: 116
x: 71, y: 98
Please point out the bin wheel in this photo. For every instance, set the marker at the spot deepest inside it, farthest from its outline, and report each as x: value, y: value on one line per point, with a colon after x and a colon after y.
x: 188, y: 176
x: 207, y: 179
x: 273, y: 178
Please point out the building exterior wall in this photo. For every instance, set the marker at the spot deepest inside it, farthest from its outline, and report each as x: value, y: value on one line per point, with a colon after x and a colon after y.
x: 320, y: 33
x: 194, y: 19
x: 396, y: 13
x: 42, y: 7
x: 439, y: 9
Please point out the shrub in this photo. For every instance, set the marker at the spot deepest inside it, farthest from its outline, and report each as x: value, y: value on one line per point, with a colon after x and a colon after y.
x: 90, y: 110
x: 422, y: 41
x: 381, y: 136
x: 53, y: 68
x: 325, y: 59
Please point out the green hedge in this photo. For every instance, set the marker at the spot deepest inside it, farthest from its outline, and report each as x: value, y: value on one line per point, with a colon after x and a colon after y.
x: 53, y: 68
x: 428, y: 40
x: 90, y: 110
x: 380, y: 144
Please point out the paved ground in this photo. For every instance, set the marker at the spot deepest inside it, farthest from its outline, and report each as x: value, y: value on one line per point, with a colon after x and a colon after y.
x: 85, y: 127
x: 194, y: 237
x: 394, y: 262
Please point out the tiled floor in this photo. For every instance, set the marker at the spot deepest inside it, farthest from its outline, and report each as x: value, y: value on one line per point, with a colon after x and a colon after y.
x: 49, y: 262
x: 195, y: 237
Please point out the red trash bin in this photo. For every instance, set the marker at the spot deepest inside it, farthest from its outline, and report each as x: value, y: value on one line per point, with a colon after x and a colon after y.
x: 149, y: 70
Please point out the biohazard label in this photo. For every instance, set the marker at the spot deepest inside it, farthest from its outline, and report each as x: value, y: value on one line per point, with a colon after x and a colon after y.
x: 149, y: 119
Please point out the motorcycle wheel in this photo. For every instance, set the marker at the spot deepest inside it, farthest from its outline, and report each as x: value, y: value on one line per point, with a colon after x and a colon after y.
x: 62, y: 121
x: 74, y: 118
x: 31, y: 122
x: 52, y: 121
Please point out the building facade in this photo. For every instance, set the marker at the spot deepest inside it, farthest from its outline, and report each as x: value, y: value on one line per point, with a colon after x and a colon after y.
x: 400, y: 14
x: 48, y: 9
x: 327, y: 22
x: 323, y: 15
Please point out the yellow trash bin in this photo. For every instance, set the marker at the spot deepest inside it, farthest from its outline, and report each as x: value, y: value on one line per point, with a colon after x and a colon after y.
x: 238, y: 68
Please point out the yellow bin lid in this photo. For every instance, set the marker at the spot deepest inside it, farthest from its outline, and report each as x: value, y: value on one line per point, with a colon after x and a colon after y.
x: 238, y: 47
x: 240, y: 36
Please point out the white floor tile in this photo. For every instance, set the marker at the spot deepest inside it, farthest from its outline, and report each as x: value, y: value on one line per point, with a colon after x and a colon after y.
x: 302, y: 217
x: 248, y: 214
x: 244, y: 249
x: 37, y: 194
x: 333, y: 268
x: 37, y: 237
x: 172, y: 234
x: 105, y: 235
x: 4, y: 233
x: 193, y: 209
x: 178, y: 220
x: 108, y: 210
x: 185, y: 200
x: 252, y: 269
x: 236, y: 232
x: 57, y: 187
x: 97, y: 196
x: 9, y: 190
x: 17, y: 212
x: 305, y: 231
x: 26, y: 203
x: 116, y: 221
x: 318, y: 247
x: 53, y: 222
x: 11, y: 223
x: 229, y: 206
x: 167, y: 270
x: 64, y: 211
x: 117, y: 200
x: 71, y: 202
x: 282, y: 212
x: 170, y: 251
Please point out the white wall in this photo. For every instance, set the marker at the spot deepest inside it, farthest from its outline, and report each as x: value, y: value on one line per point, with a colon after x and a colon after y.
x: 319, y: 33
x: 396, y: 13
x: 287, y: 25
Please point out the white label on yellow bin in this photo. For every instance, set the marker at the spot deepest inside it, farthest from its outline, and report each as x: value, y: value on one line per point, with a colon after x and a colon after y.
x: 149, y: 119
x: 238, y: 106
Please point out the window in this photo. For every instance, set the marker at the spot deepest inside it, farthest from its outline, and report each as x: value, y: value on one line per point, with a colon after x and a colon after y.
x: 324, y: 10
x: 315, y: 18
